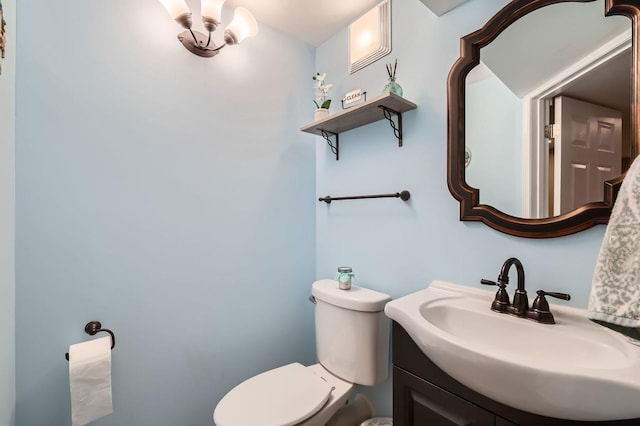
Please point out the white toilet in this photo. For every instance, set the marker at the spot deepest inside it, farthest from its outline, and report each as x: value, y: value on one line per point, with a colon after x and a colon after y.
x: 352, y: 344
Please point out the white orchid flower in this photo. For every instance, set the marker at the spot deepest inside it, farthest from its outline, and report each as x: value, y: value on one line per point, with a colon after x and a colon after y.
x: 321, y: 90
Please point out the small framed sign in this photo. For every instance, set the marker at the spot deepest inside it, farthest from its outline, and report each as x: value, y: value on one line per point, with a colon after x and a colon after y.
x: 353, y: 98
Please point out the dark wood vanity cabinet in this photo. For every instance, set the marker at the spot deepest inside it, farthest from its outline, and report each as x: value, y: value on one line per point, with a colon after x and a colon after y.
x: 424, y: 395
x: 418, y: 402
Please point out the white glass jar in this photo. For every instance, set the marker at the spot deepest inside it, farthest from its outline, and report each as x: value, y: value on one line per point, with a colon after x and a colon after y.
x: 344, y: 276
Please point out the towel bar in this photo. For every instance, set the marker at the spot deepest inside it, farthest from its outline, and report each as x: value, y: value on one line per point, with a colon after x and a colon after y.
x: 404, y: 196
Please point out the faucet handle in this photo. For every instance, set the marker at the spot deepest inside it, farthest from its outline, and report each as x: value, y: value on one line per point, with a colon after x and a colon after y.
x: 540, y: 311
x: 563, y: 296
x: 541, y: 304
x: 501, y: 301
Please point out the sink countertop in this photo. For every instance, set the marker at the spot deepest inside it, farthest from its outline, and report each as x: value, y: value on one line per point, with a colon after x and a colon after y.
x: 574, y: 369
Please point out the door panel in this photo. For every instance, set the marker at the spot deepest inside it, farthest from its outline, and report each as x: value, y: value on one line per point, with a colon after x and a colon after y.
x: 588, y: 152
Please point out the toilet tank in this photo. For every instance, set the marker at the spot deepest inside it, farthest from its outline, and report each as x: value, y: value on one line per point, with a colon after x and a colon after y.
x: 352, y: 332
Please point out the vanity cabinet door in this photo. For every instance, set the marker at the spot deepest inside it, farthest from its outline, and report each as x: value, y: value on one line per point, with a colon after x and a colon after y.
x: 417, y: 402
x: 424, y: 395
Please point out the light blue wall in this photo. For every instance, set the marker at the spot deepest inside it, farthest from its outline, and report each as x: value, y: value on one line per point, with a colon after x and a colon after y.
x: 399, y: 247
x: 494, y: 133
x: 170, y: 197
x: 7, y: 220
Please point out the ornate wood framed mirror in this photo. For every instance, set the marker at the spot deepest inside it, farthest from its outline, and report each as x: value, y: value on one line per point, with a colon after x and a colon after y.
x: 505, y: 152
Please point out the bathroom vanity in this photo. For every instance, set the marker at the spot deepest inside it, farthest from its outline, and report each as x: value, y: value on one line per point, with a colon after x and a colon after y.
x: 423, y: 394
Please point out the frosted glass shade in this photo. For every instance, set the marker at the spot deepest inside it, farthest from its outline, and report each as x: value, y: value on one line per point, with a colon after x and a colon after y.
x: 176, y: 8
x: 242, y: 26
x: 370, y: 37
x: 211, y: 9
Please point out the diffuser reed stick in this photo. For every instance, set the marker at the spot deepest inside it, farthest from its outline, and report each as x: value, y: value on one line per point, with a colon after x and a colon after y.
x: 391, y: 70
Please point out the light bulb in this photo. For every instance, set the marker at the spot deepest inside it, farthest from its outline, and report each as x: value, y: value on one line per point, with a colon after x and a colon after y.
x: 242, y: 26
x: 179, y: 11
x: 211, y: 10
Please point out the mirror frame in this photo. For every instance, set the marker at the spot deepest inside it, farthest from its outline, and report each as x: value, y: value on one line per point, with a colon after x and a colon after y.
x: 470, y: 208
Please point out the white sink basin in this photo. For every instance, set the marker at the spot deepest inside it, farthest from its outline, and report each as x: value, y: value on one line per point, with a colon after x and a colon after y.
x: 574, y: 369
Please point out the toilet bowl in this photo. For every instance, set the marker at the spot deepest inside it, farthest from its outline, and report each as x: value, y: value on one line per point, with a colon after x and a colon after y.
x: 285, y: 396
x: 352, y: 345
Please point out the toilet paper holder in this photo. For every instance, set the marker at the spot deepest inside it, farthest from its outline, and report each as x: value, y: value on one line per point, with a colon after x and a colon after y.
x: 94, y: 327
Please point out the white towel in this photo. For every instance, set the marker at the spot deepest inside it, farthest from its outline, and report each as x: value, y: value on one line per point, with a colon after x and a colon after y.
x: 615, y: 291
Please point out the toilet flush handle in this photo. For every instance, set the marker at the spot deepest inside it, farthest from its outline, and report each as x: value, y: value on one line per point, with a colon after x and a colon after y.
x: 312, y: 299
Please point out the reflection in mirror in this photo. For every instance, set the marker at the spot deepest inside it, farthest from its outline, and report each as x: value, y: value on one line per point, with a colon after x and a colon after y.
x: 528, y: 78
x: 563, y: 52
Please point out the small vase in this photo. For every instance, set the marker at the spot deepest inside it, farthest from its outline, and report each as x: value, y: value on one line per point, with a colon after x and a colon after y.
x: 320, y: 114
x: 392, y: 87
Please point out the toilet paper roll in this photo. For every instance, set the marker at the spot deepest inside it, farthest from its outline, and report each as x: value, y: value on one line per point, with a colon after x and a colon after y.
x: 90, y: 380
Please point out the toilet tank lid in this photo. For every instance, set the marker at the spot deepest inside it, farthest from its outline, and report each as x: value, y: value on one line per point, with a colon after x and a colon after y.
x: 357, y: 299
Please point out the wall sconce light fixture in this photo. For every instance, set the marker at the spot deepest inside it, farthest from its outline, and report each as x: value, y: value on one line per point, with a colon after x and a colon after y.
x: 370, y: 37
x: 242, y: 26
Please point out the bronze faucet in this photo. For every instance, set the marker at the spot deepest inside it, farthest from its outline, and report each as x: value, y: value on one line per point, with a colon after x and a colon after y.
x: 539, y: 311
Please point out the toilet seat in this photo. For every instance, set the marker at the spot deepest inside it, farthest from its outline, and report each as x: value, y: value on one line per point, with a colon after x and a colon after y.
x: 284, y: 396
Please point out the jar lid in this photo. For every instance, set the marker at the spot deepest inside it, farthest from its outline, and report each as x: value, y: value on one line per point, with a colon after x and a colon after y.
x: 345, y: 269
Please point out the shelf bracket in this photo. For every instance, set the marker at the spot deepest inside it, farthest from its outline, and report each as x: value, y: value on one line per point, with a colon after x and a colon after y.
x: 335, y: 148
x: 397, y: 128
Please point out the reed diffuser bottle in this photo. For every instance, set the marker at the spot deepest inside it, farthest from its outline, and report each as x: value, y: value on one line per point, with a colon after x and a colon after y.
x: 392, y: 85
